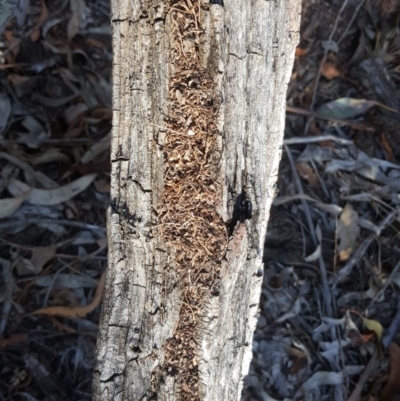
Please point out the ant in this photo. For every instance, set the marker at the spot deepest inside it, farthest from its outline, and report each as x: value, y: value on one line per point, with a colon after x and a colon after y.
x: 245, y: 205
x: 245, y: 209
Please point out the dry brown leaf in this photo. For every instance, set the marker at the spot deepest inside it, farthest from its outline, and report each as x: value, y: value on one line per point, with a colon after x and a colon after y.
x: 300, y: 52
x: 13, y: 339
x: 306, y: 172
x: 392, y: 386
x: 79, y: 311
x: 331, y: 68
x: 367, y: 337
x: 347, y: 232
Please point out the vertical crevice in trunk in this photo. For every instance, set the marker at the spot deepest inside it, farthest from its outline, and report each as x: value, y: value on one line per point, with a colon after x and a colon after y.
x: 189, y: 223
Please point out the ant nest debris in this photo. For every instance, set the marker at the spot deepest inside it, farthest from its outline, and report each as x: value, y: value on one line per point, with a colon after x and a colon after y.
x: 190, y: 224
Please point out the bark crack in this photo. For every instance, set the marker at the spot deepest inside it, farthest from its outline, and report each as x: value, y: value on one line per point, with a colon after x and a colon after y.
x: 142, y: 188
x: 237, y: 56
x: 112, y: 377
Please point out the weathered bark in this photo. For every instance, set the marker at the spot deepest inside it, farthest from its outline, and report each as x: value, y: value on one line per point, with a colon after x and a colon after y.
x: 247, y: 47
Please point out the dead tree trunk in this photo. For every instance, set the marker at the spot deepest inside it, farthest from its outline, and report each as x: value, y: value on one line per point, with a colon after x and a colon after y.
x: 199, y: 106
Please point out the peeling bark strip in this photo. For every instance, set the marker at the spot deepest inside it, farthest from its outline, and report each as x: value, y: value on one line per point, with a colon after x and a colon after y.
x: 190, y: 224
x: 198, y: 101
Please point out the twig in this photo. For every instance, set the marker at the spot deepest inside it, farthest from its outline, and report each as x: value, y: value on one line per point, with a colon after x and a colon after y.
x: 357, y: 255
x: 318, y: 138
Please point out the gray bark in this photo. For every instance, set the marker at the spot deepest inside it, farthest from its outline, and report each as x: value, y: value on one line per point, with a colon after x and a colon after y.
x: 248, y: 48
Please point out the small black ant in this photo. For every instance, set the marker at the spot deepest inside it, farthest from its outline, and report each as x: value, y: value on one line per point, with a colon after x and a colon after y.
x: 245, y: 209
x: 245, y: 205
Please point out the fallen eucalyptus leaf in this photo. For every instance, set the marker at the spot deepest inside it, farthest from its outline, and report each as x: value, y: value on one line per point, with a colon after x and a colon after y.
x: 50, y: 196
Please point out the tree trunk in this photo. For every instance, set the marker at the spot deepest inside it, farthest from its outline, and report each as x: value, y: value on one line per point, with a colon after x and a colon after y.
x: 199, y: 108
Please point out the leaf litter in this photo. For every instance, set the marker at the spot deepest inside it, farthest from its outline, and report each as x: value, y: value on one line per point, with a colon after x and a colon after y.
x: 55, y: 127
